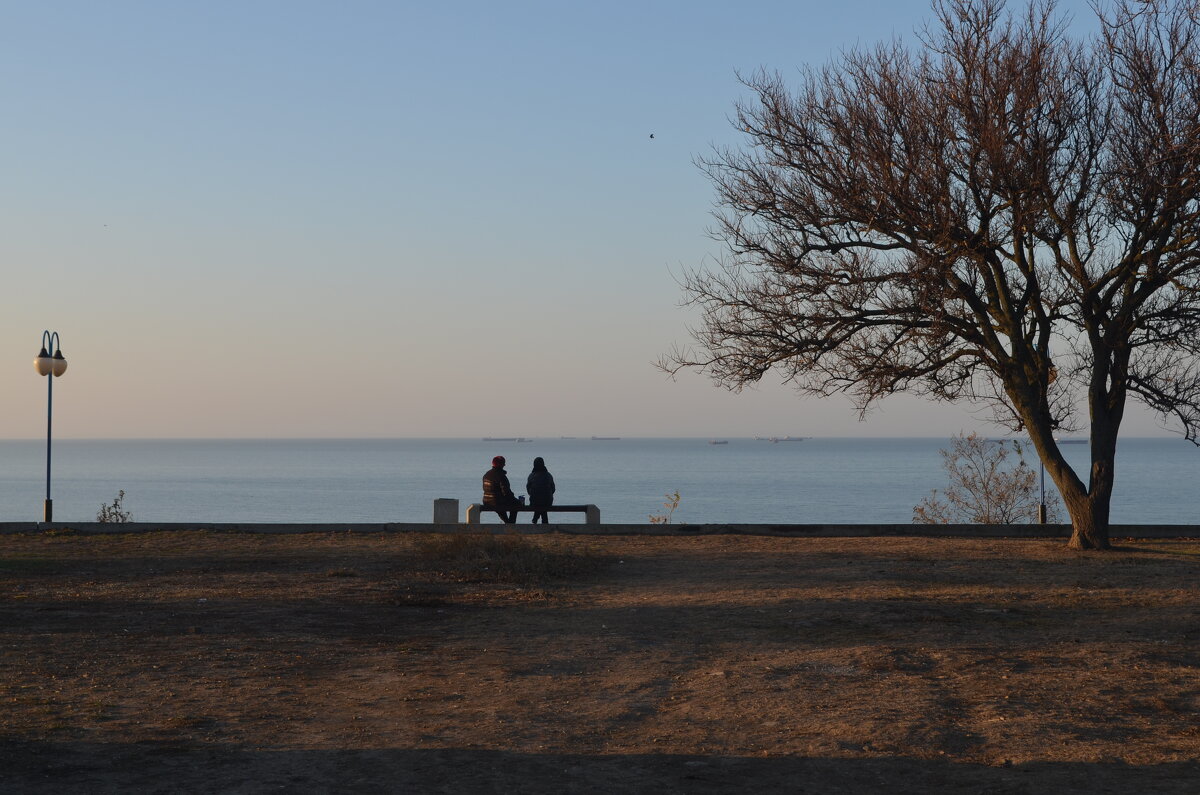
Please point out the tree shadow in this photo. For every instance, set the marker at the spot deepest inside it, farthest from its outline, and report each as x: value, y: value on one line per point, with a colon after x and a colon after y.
x: 99, y: 768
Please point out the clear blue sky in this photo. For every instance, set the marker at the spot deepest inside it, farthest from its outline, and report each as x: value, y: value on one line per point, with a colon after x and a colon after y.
x: 270, y: 218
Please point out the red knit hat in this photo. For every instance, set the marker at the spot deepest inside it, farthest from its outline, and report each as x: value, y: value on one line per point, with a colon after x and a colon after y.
x: 498, y: 461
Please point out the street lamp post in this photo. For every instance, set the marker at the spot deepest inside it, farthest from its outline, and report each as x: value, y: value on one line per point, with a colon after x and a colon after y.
x: 50, y: 363
x: 1042, y: 507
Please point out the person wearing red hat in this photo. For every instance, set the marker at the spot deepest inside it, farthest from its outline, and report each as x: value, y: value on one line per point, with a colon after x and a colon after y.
x: 497, y: 493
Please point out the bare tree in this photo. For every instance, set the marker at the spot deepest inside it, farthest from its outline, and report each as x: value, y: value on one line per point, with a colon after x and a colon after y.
x: 1001, y: 214
x: 990, y: 483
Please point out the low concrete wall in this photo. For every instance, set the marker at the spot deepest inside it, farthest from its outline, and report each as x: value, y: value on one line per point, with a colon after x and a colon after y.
x: 784, y: 530
x: 225, y: 527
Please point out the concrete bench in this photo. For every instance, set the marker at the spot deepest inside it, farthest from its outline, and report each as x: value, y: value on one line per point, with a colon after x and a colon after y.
x: 591, y: 512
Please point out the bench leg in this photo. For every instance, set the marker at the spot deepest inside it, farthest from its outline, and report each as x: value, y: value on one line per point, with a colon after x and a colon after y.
x: 592, y: 515
x: 473, y: 512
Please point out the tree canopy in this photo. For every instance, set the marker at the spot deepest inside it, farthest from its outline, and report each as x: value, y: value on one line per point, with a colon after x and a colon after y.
x: 999, y: 214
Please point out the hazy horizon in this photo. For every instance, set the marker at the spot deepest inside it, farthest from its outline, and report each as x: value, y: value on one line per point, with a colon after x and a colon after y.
x: 537, y: 438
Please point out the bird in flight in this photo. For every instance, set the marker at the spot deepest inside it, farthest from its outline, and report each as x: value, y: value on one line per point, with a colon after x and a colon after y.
x: 651, y: 135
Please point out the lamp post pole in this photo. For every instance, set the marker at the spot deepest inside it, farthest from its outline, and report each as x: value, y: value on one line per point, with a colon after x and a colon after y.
x: 50, y: 363
x: 1042, y: 507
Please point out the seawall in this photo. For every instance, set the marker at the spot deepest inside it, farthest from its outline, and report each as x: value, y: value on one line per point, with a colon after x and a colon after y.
x: 787, y: 530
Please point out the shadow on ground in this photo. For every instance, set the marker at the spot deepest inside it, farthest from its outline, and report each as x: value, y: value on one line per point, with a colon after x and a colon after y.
x: 31, y: 767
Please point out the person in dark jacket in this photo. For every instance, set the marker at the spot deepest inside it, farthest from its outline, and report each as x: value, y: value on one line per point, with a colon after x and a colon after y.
x: 497, y: 494
x: 540, y: 486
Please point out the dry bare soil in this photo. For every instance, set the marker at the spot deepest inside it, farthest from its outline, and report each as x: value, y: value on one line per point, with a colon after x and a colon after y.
x: 208, y: 662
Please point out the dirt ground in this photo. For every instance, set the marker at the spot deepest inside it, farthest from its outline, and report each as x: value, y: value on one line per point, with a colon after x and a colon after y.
x: 211, y: 662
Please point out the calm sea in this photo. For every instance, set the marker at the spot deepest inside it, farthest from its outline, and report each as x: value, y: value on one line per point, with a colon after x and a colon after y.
x: 397, y: 480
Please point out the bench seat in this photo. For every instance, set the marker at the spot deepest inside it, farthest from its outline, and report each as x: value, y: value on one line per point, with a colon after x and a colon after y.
x: 591, y: 513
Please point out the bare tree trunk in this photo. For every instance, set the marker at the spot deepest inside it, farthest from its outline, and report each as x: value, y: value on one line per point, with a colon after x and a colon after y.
x: 1089, y: 510
x: 1088, y: 505
x: 1106, y: 407
x: 1089, y: 522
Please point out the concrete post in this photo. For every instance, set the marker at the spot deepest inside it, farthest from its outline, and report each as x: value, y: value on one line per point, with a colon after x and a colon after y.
x: 592, y: 515
x: 445, y: 511
x: 473, y: 512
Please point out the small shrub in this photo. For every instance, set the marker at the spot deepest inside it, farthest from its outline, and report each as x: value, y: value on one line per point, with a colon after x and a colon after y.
x: 115, y: 513
x: 988, y: 485
x: 669, y: 506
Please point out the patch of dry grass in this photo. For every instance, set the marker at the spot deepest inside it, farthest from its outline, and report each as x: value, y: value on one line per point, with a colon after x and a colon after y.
x: 483, y: 557
x: 196, y: 661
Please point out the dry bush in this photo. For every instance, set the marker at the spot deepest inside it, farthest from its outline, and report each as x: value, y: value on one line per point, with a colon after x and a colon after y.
x: 483, y: 557
x: 116, y: 512
x: 668, y: 510
x: 986, y: 487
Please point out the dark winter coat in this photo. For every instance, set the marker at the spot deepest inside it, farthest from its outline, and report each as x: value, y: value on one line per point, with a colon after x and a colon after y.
x: 540, y: 487
x: 496, y: 490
